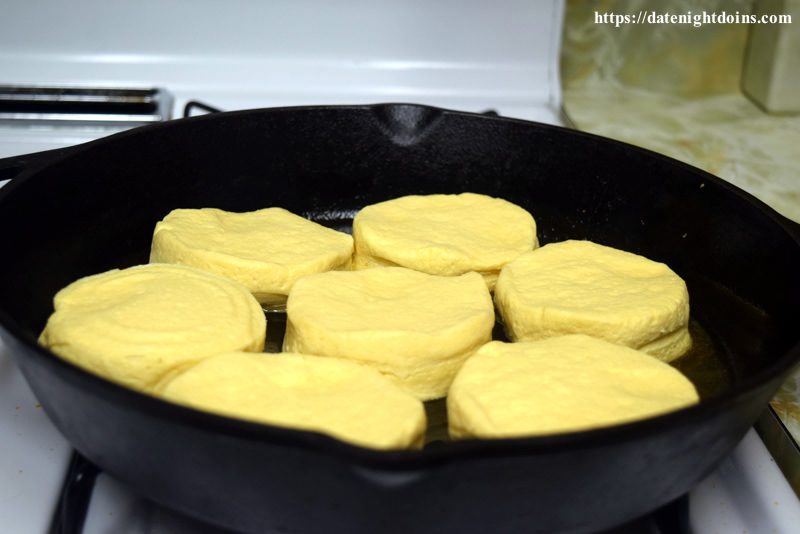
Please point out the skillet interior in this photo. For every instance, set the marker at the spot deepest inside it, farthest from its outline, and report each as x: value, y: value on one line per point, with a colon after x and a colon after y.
x: 95, y: 210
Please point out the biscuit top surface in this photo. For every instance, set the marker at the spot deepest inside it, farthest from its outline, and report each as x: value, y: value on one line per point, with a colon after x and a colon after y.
x: 445, y: 234
x: 348, y: 400
x: 270, y: 235
x: 594, y: 280
x: 562, y: 384
x: 136, y: 324
x: 389, y: 299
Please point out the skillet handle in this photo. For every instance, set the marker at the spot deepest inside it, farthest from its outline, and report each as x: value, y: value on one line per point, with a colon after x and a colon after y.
x: 11, y: 167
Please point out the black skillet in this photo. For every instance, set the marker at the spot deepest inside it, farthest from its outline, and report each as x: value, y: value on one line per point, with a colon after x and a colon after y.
x: 94, y: 208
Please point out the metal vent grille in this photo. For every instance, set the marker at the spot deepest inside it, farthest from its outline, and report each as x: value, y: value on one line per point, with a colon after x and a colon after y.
x: 84, y: 105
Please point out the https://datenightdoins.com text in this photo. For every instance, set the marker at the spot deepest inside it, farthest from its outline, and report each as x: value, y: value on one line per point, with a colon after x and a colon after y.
x: 695, y: 19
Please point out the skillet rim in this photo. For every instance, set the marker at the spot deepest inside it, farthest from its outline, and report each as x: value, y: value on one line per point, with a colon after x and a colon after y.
x: 399, y: 460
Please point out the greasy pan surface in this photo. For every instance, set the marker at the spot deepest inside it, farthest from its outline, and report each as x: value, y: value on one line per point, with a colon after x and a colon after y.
x: 95, y: 209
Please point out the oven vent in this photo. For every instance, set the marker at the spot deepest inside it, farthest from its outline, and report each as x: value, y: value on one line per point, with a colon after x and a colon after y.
x: 58, y: 105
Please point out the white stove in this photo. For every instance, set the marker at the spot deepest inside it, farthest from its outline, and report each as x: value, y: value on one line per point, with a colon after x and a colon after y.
x: 241, y: 54
x: 76, y: 68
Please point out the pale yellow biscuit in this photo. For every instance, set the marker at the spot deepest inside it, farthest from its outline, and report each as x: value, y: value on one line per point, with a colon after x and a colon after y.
x: 264, y: 250
x: 443, y: 234
x: 580, y: 287
x: 140, y: 325
x: 415, y: 328
x: 560, y: 384
x: 341, y: 398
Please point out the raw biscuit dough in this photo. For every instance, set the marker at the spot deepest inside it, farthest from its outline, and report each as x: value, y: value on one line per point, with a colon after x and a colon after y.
x: 264, y: 250
x: 413, y: 327
x: 580, y: 287
x: 138, y: 326
x: 560, y: 384
x: 443, y: 234
x: 349, y: 401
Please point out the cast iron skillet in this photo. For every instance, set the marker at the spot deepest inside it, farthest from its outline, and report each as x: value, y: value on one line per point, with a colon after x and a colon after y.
x: 94, y: 209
